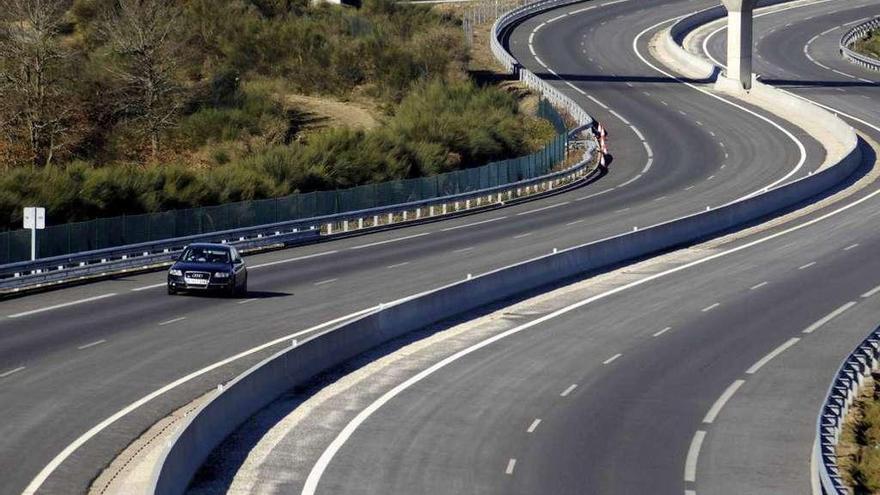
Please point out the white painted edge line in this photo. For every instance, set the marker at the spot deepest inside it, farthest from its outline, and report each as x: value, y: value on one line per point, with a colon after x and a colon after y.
x: 758, y: 286
x: 175, y: 320
x: 815, y: 326
x: 775, y: 352
x: 288, y: 260
x: 612, y: 358
x: 690, y: 464
x: 637, y: 177
x: 398, y: 239
x: 532, y: 427
x: 808, y: 265
x: 62, y: 305
x: 851, y: 246
x: 595, y: 194
x: 511, y: 464
x: 536, y: 210
x: 472, y: 224
x: 398, y: 265
x: 247, y: 301
x: 47, y: 470
x: 661, y: 332
x: 147, y: 287
x: 569, y: 390
x: 871, y: 292
x: 92, y: 344
x: 325, y: 282
x: 11, y: 372
x: 710, y: 307
x: 719, y: 404
x: 320, y: 466
x: 800, y: 145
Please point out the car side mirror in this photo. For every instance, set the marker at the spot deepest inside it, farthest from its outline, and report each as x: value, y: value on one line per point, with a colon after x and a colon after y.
x: 238, y: 261
x: 175, y: 257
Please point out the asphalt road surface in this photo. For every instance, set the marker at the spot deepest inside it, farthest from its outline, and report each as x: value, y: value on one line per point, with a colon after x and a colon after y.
x: 703, y: 380
x: 72, y: 358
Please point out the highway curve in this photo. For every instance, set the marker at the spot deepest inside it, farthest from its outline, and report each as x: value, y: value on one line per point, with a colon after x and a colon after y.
x: 704, y: 377
x: 73, y: 358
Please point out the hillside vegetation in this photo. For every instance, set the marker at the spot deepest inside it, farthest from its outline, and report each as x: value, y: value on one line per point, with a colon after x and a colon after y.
x: 114, y: 107
x: 869, y: 46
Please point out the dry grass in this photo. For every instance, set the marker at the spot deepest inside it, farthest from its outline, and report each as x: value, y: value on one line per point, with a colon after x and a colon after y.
x: 858, y: 452
x: 870, y: 46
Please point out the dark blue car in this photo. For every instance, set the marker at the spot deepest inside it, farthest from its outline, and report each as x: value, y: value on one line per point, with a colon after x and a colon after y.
x: 208, y: 267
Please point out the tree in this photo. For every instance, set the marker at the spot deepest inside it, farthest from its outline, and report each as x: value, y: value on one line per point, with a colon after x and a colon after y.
x: 36, y: 105
x: 144, y: 38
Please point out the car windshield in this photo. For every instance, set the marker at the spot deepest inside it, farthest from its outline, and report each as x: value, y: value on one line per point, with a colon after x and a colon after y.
x: 205, y: 255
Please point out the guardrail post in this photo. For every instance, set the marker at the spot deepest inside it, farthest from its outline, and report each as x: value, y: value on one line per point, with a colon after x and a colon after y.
x: 431, y: 211
x: 467, y: 204
x: 391, y: 218
x: 345, y: 226
x: 360, y: 223
x: 329, y: 228
x: 404, y: 215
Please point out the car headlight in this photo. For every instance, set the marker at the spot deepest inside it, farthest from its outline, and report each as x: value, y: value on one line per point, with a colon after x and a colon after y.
x: 221, y: 275
x: 175, y: 273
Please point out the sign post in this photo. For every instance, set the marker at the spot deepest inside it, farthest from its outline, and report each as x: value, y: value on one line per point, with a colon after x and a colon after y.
x: 34, y: 219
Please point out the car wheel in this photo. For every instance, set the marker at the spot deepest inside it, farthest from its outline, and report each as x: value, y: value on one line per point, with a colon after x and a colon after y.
x: 243, y: 290
x: 171, y: 291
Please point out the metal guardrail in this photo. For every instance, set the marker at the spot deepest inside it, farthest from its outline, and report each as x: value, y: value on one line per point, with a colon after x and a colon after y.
x: 551, y: 93
x: 855, y: 34
x: 844, y: 389
x: 24, y: 275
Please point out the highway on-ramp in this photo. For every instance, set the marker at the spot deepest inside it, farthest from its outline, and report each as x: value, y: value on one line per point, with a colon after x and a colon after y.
x: 704, y: 378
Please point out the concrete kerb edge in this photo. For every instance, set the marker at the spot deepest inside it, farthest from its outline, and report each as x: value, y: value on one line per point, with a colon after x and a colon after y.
x: 249, y: 392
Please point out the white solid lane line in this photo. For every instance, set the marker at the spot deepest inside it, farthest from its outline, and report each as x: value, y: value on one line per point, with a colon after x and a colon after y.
x: 533, y: 426
x: 569, y: 390
x: 661, y: 332
x: 175, y: 320
x: 803, y: 267
x: 754, y: 287
x: 852, y: 246
x: 11, y: 372
x: 511, y: 464
x: 612, y: 359
x: 325, y: 282
x: 93, y: 344
x: 775, y: 352
x: 363, y: 246
x: 63, y: 305
x: 710, y: 308
x: 690, y: 464
x: 815, y: 326
x: 719, y: 404
x: 472, y: 224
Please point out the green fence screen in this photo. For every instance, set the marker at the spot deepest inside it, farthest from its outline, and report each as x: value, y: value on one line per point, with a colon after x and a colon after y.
x: 102, y: 233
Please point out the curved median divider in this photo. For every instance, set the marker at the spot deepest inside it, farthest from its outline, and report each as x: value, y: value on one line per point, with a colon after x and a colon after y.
x: 857, y: 33
x: 844, y: 389
x: 236, y: 401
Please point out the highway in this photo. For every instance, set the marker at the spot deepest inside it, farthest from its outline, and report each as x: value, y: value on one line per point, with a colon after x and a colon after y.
x: 72, y: 358
x: 704, y: 376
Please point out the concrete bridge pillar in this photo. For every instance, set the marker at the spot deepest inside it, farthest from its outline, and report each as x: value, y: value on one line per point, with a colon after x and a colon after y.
x: 739, y: 41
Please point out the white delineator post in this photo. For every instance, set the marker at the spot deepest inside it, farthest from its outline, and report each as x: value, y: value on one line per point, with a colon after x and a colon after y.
x: 740, y: 17
x: 34, y: 219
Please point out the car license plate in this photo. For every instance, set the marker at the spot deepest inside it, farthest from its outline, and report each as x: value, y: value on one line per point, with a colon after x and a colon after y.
x: 195, y: 281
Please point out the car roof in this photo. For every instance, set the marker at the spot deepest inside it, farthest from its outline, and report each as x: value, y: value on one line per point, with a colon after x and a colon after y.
x: 210, y: 245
